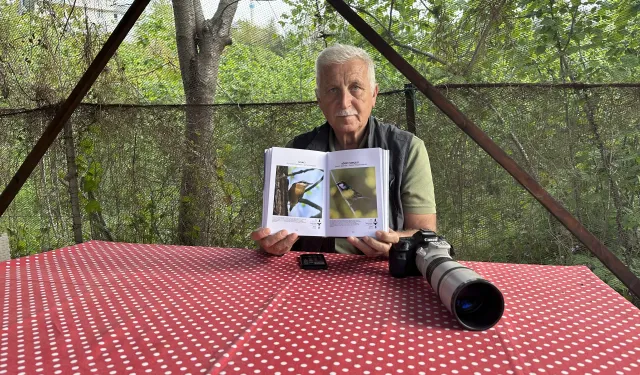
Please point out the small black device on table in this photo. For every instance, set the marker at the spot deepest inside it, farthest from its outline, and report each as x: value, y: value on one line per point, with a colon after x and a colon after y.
x: 312, y: 262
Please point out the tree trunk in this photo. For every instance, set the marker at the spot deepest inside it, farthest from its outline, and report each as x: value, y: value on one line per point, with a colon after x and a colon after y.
x: 200, y: 44
x: 605, y: 155
x: 99, y: 228
x: 72, y: 179
x: 45, y: 202
x: 40, y: 190
x: 281, y: 199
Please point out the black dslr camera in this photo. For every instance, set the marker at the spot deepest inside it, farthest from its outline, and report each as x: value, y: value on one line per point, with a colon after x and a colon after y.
x: 476, y: 303
x: 402, y: 256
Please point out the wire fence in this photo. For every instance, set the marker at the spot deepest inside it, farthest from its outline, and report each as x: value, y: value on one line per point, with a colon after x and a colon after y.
x: 581, y: 144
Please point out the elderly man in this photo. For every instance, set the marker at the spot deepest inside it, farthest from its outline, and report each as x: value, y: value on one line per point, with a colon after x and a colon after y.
x: 346, y: 91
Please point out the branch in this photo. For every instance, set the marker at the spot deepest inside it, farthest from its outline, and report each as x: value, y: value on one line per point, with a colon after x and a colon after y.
x: 63, y: 182
x: 18, y: 80
x: 320, y: 23
x: 99, y: 220
x: 198, y: 15
x: 427, y: 8
x: 573, y: 23
x: 390, y: 15
x: 495, y: 11
x: 64, y: 29
x: 4, y: 86
x: 314, y: 185
x: 342, y: 195
x: 397, y: 42
x: 308, y: 202
x: 302, y: 171
x: 220, y: 12
x: 524, y: 154
x: 219, y: 26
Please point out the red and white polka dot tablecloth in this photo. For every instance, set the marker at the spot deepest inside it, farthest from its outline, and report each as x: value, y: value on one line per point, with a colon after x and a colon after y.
x: 115, y: 308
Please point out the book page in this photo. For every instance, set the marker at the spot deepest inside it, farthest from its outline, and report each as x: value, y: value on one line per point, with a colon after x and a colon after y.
x: 357, y: 191
x: 295, y: 191
x: 265, y: 189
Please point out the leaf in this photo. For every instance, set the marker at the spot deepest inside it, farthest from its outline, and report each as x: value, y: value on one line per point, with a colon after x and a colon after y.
x: 89, y: 184
x: 548, y: 22
x: 92, y: 206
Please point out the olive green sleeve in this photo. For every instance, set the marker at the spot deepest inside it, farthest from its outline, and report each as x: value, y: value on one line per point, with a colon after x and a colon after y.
x: 417, y: 185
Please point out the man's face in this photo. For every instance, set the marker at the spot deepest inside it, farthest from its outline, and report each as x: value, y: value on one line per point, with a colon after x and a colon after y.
x: 346, y: 97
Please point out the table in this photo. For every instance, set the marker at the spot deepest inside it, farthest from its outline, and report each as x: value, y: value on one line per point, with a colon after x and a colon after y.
x: 117, y: 308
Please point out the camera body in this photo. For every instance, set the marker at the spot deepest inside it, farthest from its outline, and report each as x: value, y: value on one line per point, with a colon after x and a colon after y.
x: 402, y: 256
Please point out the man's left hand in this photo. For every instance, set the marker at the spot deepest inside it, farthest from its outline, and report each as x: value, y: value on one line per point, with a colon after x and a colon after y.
x: 375, y: 247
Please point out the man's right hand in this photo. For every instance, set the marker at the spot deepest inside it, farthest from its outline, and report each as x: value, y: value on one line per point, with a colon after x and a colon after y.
x: 279, y: 243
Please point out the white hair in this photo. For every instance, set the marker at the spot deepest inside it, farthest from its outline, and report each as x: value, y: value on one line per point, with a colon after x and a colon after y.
x: 340, y: 54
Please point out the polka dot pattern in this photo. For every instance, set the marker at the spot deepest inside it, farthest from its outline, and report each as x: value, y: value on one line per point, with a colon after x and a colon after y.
x: 116, y: 308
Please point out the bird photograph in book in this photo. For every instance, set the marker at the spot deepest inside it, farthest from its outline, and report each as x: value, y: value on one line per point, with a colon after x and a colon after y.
x: 326, y: 194
x: 353, y: 193
x: 299, y: 192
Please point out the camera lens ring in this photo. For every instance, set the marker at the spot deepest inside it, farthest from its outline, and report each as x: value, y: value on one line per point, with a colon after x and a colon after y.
x: 433, y: 265
x: 445, y: 274
x: 494, y: 314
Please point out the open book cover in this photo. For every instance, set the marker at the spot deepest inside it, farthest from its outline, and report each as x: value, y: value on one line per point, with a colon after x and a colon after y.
x: 326, y: 194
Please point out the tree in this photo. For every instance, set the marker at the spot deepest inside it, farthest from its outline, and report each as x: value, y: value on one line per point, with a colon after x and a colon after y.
x: 200, y: 43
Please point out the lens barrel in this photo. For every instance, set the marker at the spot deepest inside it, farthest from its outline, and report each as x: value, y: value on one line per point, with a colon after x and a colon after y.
x: 476, y: 303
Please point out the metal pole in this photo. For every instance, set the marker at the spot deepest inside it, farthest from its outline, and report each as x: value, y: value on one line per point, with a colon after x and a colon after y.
x: 410, y: 100
x: 609, y: 259
x: 64, y: 112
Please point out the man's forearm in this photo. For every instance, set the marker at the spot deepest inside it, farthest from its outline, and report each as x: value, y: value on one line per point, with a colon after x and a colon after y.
x: 410, y: 232
x: 413, y: 222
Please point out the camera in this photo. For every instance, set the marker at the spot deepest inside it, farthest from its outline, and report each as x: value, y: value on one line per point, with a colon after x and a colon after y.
x: 476, y: 303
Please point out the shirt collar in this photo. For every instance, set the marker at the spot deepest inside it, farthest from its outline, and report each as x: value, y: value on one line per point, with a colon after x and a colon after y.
x: 333, y: 142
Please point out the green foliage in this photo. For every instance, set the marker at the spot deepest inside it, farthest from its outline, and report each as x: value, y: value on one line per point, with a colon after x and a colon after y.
x: 258, y: 67
x: 462, y: 41
x: 149, y: 58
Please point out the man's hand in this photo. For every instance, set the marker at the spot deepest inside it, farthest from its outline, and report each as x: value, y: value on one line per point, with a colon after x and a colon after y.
x: 279, y: 243
x: 374, y: 247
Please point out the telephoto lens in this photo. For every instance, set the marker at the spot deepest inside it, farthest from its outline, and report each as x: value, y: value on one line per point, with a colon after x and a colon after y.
x: 476, y: 303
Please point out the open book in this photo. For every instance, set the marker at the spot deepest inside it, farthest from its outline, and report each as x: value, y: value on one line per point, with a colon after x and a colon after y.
x: 326, y: 194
